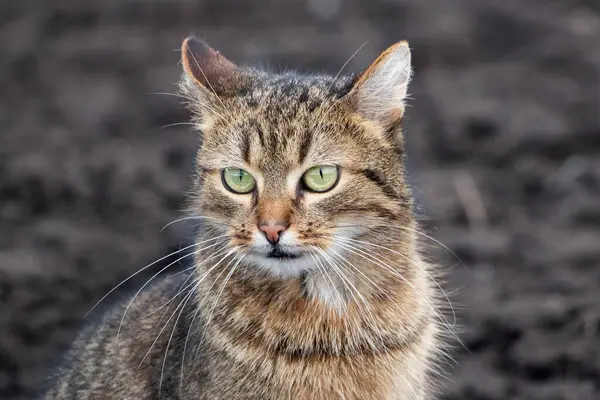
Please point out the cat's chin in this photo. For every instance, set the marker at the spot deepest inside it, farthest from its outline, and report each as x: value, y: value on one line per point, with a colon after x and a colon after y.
x: 284, y: 266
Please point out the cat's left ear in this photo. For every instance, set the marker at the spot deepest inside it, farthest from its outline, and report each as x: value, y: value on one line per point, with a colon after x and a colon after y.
x: 381, y: 89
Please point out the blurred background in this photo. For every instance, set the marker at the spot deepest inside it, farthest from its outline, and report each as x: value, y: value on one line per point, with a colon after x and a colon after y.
x: 504, y: 153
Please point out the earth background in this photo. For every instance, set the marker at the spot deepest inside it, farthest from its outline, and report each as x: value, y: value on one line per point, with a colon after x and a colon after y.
x: 504, y: 152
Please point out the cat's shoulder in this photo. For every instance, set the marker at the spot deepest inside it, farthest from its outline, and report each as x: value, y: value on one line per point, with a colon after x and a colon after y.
x: 125, y: 312
x: 119, y: 329
x: 140, y: 306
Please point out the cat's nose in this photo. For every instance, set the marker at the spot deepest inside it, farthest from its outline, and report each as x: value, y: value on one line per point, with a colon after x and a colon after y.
x: 272, y: 231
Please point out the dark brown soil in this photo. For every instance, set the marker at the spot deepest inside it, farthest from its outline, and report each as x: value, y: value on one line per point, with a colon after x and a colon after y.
x: 504, y: 136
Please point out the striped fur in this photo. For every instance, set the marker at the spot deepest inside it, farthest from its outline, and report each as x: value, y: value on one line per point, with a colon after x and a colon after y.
x: 354, y: 316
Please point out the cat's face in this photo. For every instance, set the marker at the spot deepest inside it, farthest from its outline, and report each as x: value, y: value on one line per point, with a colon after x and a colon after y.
x: 292, y: 169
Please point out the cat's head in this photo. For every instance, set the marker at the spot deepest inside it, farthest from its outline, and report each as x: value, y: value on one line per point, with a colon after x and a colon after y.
x: 294, y: 170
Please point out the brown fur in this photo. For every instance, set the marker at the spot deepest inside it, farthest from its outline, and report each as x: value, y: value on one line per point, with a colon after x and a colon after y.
x: 367, y: 328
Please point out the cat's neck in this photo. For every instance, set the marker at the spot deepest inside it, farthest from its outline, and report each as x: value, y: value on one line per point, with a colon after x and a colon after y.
x: 281, y: 315
x: 377, y: 349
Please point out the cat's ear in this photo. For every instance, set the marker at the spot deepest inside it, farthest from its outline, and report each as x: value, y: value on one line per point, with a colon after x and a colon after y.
x: 208, y: 69
x: 381, y: 89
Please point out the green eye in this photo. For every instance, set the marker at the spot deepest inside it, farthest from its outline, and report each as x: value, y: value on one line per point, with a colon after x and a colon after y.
x: 321, y: 178
x: 238, y: 181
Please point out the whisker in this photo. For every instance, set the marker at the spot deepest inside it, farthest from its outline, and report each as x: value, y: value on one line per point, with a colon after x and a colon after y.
x: 200, y: 217
x: 183, y: 271
x: 182, y: 289
x: 379, y: 263
x: 371, y: 256
x: 197, y: 282
x: 434, y: 240
x: 187, y: 336
x: 206, y: 106
x: 437, y: 312
x: 162, y: 370
x: 180, y: 303
x: 367, y: 305
x: 187, y: 296
x: 356, y: 269
x: 325, y: 111
x: 176, y: 124
x: 220, y: 292
x: 209, y: 291
x: 335, y: 268
x: 416, y: 265
x: 346, y: 63
x: 139, y: 271
x: 212, y: 88
x: 172, y: 94
x: 192, y: 322
x: 411, y: 230
x: 159, y: 272
x: 212, y: 257
x: 323, y: 271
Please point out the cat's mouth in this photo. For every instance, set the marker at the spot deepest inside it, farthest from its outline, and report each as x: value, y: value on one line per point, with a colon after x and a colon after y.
x: 279, y: 253
x: 281, y: 261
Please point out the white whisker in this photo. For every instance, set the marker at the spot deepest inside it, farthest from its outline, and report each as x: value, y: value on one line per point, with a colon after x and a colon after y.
x: 364, y: 301
x: 416, y: 265
x: 139, y: 271
x: 159, y: 272
x: 194, y: 318
x: 213, y: 256
x: 200, y: 217
x: 210, y: 288
x: 212, y: 310
x: 380, y: 263
x: 178, y: 124
x: 172, y: 94
x: 180, y: 303
x: 324, y: 273
x: 410, y: 230
x: 346, y: 63
x: 162, y: 370
x: 213, y: 90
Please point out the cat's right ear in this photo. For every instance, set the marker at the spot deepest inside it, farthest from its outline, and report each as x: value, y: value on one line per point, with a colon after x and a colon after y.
x: 207, y: 69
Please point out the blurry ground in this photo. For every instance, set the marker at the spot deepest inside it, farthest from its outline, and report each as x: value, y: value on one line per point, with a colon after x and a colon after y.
x: 504, y: 137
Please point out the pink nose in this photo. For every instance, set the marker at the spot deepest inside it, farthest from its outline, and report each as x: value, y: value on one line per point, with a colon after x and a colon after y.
x: 272, y: 231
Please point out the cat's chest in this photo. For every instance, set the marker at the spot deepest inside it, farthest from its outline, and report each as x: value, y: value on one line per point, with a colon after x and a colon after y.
x: 275, y: 378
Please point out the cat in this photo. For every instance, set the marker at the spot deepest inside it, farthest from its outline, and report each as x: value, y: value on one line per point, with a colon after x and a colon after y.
x: 308, y: 280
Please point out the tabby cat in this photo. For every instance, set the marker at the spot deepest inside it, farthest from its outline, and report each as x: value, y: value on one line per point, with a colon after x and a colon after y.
x: 307, y: 282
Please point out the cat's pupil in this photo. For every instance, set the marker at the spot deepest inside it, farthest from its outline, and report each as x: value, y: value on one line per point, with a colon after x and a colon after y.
x: 321, y: 172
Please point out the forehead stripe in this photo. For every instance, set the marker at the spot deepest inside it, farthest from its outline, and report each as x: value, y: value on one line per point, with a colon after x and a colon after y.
x: 246, y: 147
x: 305, y: 145
x: 259, y: 132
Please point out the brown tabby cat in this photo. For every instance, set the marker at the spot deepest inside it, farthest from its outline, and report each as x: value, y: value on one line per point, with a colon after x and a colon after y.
x: 307, y: 279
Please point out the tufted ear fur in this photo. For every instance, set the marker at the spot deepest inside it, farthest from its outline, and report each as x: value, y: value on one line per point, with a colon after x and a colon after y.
x: 381, y: 89
x: 208, y: 69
